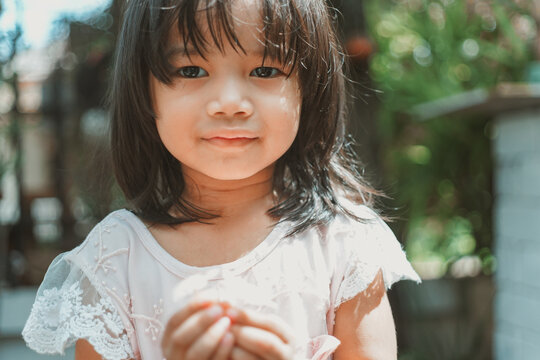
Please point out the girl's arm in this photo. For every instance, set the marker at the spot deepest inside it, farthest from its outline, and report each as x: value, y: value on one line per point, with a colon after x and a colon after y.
x: 365, y: 325
x: 85, y: 351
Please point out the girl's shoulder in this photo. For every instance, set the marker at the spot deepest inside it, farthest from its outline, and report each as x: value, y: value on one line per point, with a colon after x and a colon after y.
x: 358, y: 222
x: 82, y: 295
x: 108, y: 240
x: 363, y: 245
x: 112, y: 237
x: 118, y: 227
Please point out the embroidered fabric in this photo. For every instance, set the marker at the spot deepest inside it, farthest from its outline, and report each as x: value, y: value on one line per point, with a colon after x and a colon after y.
x: 69, y: 307
x: 369, y: 248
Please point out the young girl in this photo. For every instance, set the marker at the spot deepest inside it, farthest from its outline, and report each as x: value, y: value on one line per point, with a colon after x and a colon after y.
x: 250, y: 233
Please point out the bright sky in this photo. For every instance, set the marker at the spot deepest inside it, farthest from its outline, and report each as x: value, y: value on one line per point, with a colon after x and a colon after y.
x: 38, y: 16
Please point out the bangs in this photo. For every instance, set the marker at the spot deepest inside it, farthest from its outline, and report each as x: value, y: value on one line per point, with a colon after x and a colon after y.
x: 204, y: 24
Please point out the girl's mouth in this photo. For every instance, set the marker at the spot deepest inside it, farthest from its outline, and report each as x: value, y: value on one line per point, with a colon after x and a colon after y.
x: 230, y: 142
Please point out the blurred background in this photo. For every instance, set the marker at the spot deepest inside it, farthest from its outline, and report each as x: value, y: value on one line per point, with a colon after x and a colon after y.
x: 446, y: 116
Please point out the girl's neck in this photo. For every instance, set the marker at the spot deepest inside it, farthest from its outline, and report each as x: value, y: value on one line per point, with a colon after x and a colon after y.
x: 229, y: 198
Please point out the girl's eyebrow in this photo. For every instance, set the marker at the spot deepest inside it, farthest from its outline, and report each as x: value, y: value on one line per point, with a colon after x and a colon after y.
x: 175, y: 51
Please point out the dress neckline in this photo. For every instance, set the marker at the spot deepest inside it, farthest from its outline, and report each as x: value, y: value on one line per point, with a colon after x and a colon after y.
x: 211, y: 272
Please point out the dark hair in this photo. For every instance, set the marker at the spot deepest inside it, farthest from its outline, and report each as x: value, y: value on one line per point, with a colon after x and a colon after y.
x: 309, y: 179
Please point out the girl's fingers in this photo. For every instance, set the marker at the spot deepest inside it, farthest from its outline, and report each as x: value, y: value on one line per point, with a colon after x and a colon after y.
x: 225, y: 346
x: 190, y: 330
x: 262, y: 343
x: 207, y: 343
x: 180, y: 316
x: 266, y: 322
x: 238, y: 353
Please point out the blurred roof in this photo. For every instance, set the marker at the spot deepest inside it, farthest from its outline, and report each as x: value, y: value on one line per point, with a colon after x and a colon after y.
x: 485, y: 102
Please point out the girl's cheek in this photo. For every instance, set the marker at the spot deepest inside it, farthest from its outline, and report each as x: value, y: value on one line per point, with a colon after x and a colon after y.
x: 278, y: 85
x: 290, y: 104
x: 182, y: 86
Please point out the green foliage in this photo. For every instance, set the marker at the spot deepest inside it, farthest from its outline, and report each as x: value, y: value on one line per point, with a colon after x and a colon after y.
x: 427, y: 50
x: 431, y: 49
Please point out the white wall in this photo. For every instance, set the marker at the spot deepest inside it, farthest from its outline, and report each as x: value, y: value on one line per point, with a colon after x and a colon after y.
x: 517, y: 235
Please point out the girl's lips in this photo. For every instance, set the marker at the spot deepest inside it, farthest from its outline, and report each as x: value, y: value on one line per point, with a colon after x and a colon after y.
x: 233, y: 142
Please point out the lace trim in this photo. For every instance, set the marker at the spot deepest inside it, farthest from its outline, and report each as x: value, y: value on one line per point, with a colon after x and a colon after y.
x: 372, y: 247
x: 59, y: 318
x: 361, y: 274
x: 357, y: 280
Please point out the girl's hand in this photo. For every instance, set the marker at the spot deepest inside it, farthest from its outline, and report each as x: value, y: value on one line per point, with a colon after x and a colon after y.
x: 199, y: 331
x: 260, y: 336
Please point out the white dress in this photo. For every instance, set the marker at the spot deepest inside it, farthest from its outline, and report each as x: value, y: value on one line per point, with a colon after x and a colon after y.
x: 119, y: 287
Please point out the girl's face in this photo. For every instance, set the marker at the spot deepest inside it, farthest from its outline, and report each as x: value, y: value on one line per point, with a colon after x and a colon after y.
x: 227, y: 117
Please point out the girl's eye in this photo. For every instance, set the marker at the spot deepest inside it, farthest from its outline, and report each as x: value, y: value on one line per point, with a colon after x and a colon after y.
x: 266, y: 72
x: 192, y: 72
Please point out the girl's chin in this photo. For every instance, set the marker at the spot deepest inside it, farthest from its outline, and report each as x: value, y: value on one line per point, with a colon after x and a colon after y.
x: 229, y: 174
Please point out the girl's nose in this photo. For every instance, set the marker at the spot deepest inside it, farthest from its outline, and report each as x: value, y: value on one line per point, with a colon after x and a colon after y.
x: 230, y: 101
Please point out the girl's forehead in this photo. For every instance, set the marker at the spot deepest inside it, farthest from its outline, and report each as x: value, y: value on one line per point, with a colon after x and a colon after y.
x: 241, y: 10
x: 245, y: 19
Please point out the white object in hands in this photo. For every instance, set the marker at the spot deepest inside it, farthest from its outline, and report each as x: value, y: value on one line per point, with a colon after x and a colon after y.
x: 230, y: 289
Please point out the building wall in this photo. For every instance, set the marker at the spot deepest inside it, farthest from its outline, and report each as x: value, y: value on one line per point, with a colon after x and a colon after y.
x: 15, y: 305
x: 517, y: 235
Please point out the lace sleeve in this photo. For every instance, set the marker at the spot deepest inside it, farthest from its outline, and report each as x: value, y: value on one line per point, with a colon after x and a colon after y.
x: 69, y: 307
x: 368, y: 247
